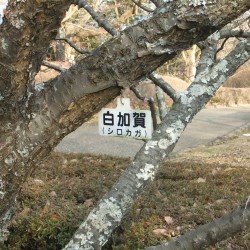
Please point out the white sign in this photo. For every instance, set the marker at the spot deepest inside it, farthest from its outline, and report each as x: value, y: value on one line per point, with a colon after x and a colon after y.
x: 123, y: 121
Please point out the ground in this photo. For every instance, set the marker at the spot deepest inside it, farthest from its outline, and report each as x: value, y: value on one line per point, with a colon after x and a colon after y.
x: 189, y: 190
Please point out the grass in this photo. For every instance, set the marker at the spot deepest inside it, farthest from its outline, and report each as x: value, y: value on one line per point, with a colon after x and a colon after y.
x: 189, y: 190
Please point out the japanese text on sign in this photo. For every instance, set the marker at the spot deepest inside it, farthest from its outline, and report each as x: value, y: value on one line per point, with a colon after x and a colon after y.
x: 126, y: 123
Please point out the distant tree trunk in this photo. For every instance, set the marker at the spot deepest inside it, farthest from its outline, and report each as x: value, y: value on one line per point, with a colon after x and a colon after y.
x: 190, y: 60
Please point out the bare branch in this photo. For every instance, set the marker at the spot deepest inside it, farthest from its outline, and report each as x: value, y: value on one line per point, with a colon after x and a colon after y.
x: 164, y: 86
x: 221, y: 47
x: 238, y: 21
x: 209, y: 47
x: 142, y: 6
x: 234, y: 33
x: 208, y: 54
x: 151, y: 104
x: 138, y: 94
x: 102, y: 21
x: 211, y: 233
x: 52, y: 66
x: 71, y: 44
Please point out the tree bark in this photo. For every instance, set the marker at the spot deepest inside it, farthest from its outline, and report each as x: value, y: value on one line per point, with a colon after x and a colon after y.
x: 211, y: 233
x: 26, y: 32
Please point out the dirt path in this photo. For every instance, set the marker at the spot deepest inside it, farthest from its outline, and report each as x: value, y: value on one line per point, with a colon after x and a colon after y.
x: 205, y: 127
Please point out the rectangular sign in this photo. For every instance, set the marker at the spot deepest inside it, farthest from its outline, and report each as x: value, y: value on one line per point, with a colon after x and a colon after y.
x: 126, y: 123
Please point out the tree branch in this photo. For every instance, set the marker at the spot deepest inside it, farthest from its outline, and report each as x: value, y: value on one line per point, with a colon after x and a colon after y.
x: 164, y: 86
x: 51, y: 66
x: 151, y: 104
x: 102, y: 21
x: 212, y: 232
x: 221, y: 47
x: 238, y: 21
x: 234, y: 33
x: 71, y: 44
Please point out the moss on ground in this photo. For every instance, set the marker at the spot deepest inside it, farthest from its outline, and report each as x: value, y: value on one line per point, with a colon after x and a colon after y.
x: 189, y: 190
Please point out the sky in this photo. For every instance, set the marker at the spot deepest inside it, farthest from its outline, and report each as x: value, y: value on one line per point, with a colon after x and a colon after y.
x: 3, y: 4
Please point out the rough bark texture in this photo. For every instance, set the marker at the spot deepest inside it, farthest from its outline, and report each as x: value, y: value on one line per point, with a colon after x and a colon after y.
x: 26, y: 32
x: 106, y: 216
x: 212, y: 232
x: 34, y: 117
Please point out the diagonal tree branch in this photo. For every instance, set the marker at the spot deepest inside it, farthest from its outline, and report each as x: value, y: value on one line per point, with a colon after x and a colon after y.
x: 158, y: 81
x: 221, y: 47
x: 211, y: 233
x: 151, y: 104
x: 74, y: 46
x: 102, y: 21
x: 51, y: 66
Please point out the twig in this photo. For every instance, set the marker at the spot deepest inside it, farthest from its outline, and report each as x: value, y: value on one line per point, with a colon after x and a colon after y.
x: 71, y: 44
x: 52, y: 66
x: 221, y: 47
x: 142, y: 6
x: 151, y: 104
x: 102, y: 22
x: 164, y: 86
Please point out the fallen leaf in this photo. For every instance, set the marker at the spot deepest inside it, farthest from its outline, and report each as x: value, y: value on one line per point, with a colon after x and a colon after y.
x: 52, y: 194
x: 55, y: 217
x: 161, y: 231
x: 201, y: 180
x: 169, y: 220
x: 39, y: 182
x: 88, y: 203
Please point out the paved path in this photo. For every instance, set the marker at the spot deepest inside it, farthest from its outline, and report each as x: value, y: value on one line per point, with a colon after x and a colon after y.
x: 206, y: 126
